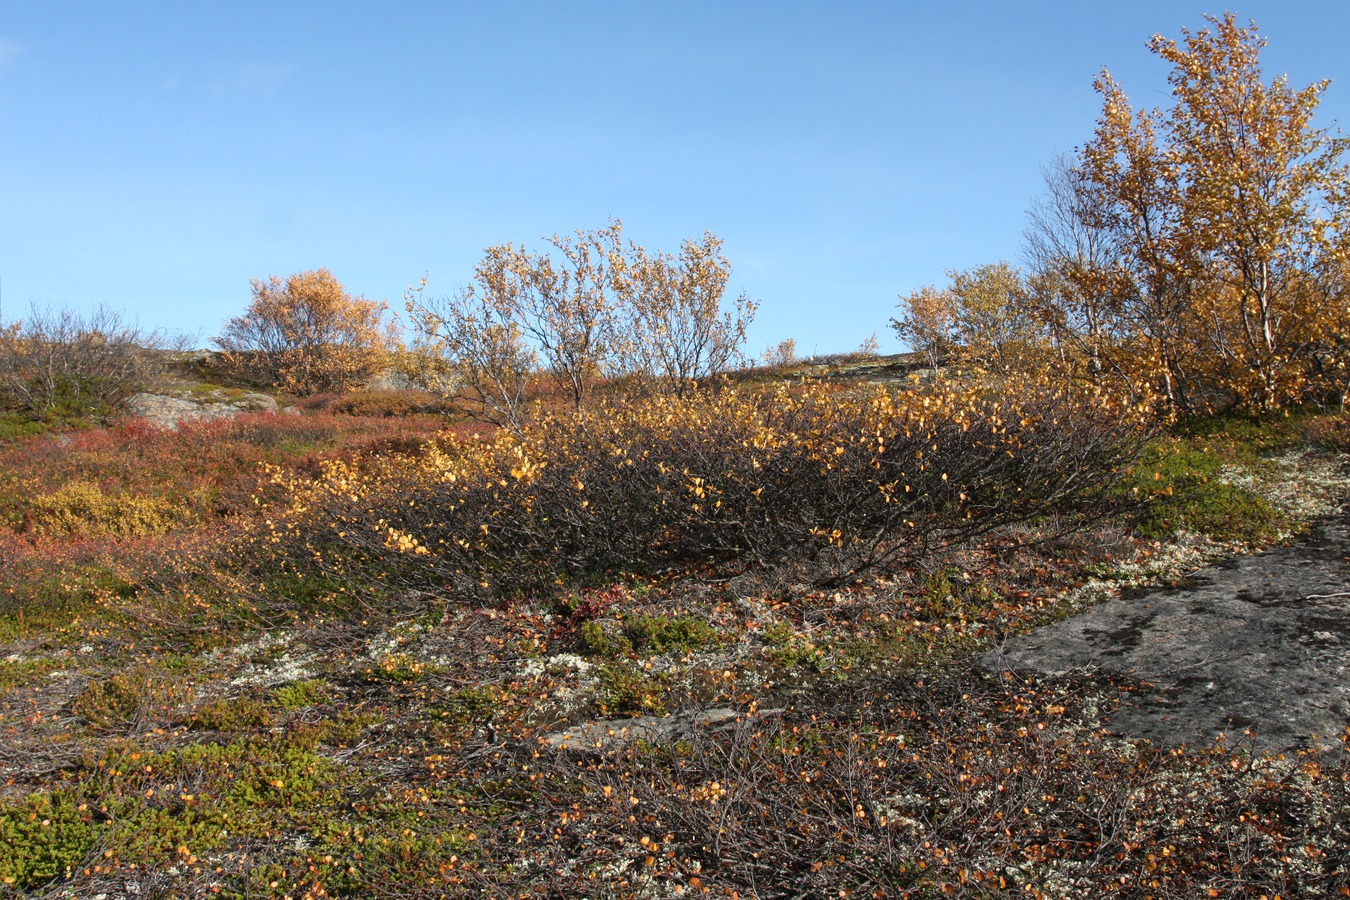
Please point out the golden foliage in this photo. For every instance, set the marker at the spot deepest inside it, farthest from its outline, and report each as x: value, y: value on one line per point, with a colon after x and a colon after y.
x: 591, y: 307
x: 833, y: 481
x: 784, y: 354
x: 82, y: 508
x: 669, y: 329
x: 980, y: 320
x: 305, y: 334
x: 1199, y: 251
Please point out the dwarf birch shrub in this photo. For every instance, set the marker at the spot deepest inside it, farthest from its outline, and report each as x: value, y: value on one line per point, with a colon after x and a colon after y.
x: 835, y: 481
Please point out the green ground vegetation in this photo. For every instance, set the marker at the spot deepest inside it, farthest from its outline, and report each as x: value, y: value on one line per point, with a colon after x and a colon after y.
x: 172, y: 721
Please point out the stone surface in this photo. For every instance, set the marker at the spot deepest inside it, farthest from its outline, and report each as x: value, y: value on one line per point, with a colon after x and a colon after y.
x: 610, y: 733
x: 169, y: 411
x: 1258, y: 642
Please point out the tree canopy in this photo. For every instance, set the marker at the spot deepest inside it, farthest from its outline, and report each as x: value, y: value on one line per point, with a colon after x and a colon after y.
x: 1199, y: 251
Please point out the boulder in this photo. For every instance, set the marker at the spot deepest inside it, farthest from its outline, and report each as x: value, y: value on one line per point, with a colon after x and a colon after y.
x: 168, y: 411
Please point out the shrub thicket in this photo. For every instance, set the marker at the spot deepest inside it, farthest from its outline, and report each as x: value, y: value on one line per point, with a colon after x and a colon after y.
x: 58, y: 365
x: 837, y: 481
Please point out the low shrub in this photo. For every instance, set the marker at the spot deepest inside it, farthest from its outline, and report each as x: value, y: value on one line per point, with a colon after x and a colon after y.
x: 466, y: 707
x: 1329, y: 432
x: 787, y: 649
x: 45, y: 836
x: 49, y: 587
x: 131, y: 699
x: 628, y: 689
x: 647, y: 636
x: 376, y: 403
x: 299, y: 694
x: 62, y: 366
x: 398, y: 669
x: 833, y: 481
x: 233, y: 714
x: 133, y: 478
x: 82, y: 508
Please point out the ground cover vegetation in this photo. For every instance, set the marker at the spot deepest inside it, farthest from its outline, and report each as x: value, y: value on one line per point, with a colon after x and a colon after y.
x: 195, y: 717
x: 591, y: 616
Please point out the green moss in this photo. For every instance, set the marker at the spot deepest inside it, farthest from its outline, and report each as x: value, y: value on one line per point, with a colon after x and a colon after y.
x: 1182, y: 490
x: 647, y: 636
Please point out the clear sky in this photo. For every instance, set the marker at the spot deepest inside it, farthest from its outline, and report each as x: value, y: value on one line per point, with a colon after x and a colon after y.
x: 156, y: 156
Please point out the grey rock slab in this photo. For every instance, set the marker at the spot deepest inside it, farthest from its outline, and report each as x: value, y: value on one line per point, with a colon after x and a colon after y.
x: 1259, y: 643
x: 606, y: 734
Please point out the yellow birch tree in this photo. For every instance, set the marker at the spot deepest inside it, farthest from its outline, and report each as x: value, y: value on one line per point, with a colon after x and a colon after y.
x: 1227, y: 217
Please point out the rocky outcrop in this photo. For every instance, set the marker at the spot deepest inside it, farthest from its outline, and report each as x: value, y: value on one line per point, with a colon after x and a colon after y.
x: 1257, y: 644
x: 168, y: 411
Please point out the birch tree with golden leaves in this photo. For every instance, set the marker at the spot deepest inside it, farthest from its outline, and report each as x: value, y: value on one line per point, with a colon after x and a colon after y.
x: 1074, y: 286
x: 980, y: 319
x: 927, y: 323
x: 468, y: 347
x: 1226, y: 214
x: 670, y: 328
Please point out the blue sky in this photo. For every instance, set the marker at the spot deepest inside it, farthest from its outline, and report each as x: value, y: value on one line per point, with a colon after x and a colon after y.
x: 156, y: 156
